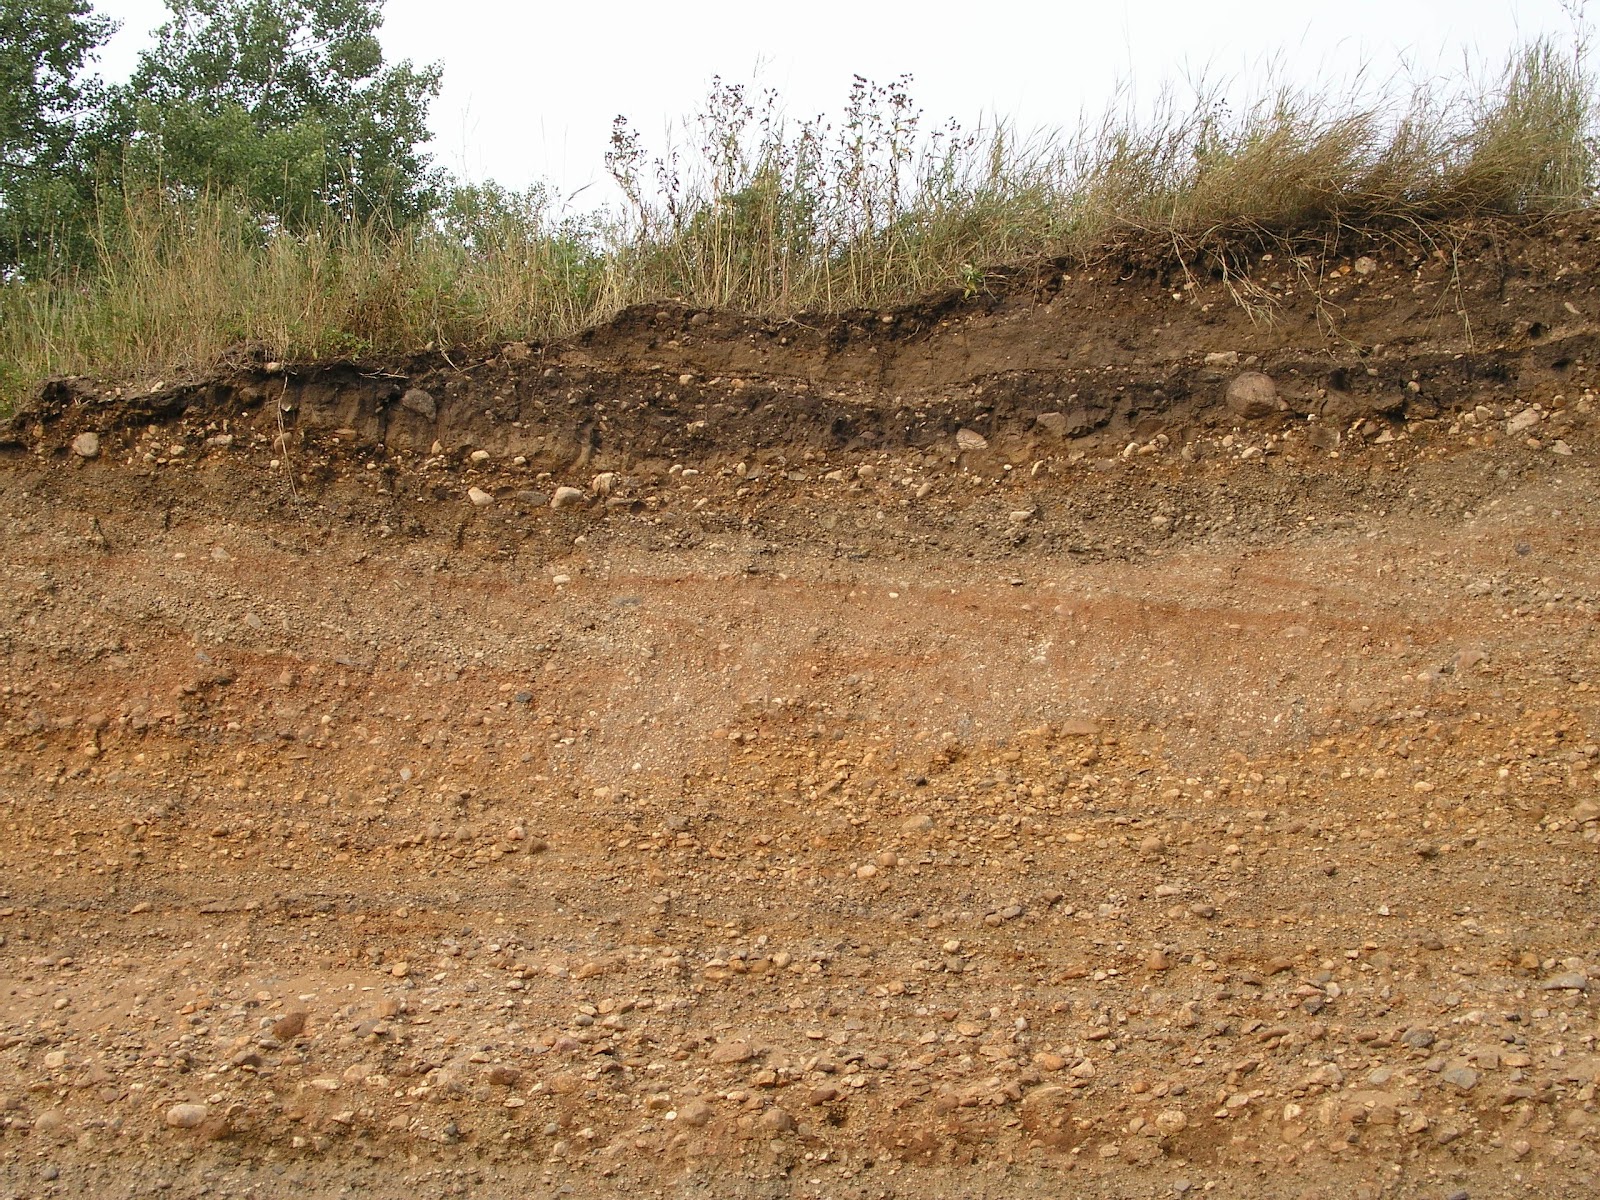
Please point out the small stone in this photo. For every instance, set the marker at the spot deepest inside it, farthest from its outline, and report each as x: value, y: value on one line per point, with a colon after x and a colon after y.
x: 1047, y: 1061
x: 55, y: 1060
x: 420, y: 402
x: 505, y: 1076
x: 1171, y: 1120
x: 1524, y: 420
x: 291, y: 1025
x: 921, y: 823
x: 479, y: 456
x: 1202, y: 910
x: 1158, y: 961
x: 826, y: 1094
x: 1418, y: 1038
x: 1223, y: 358
x: 86, y: 445
x: 50, y: 1121
x: 479, y: 497
x: 695, y: 1114
x: 1575, y: 981
x: 1252, y: 395
x: 971, y: 439
x: 1364, y: 265
x: 187, y: 1116
x: 777, y: 1120
x: 1054, y: 422
x: 729, y: 1053
x: 1462, y: 1078
x: 1560, y: 446
x: 566, y: 497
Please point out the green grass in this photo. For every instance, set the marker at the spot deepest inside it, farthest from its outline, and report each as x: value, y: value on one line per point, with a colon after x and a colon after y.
x: 773, y: 217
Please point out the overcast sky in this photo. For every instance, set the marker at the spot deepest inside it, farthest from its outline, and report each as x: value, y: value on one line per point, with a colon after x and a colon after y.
x: 530, y: 89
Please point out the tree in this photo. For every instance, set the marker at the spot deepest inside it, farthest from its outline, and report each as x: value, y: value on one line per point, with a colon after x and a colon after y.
x: 286, y: 103
x: 45, y: 188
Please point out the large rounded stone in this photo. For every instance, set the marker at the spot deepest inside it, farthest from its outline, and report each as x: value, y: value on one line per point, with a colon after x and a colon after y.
x: 1252, y: 395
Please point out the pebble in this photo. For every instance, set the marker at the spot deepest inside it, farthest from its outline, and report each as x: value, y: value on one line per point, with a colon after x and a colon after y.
x: 187, y: 1116
x: 291, y: 1025
x: 86, y: 445
x: 566, y: 497
x: 1575, y: 981
x: 1055, y: 422
x: 479, y: 456
x: 971, y: 439
x: 479, y: 497
x: 695, y: 1114
x: 729, y: 1053
x: 920, y: 823
x: 1252, y: 395
x: 49, y: 1121
x: 420, y: 402
x: 1462, y: 1078
x: 777, y: 1120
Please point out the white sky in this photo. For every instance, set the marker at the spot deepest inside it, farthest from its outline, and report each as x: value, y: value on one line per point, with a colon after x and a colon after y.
x: 530, y: 89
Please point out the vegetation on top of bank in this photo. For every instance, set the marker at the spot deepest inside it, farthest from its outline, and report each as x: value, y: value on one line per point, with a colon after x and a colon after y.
x: 260, y: 186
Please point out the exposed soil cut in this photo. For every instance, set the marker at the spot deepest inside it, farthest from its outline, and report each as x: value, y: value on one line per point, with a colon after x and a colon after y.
x: 1094, y: 738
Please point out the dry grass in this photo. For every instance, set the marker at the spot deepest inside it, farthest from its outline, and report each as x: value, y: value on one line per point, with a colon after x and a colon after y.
x: 765, y: 216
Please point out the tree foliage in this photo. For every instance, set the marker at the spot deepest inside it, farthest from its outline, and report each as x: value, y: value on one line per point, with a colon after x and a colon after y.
x: 45, y: 46
x: 286, y: 103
